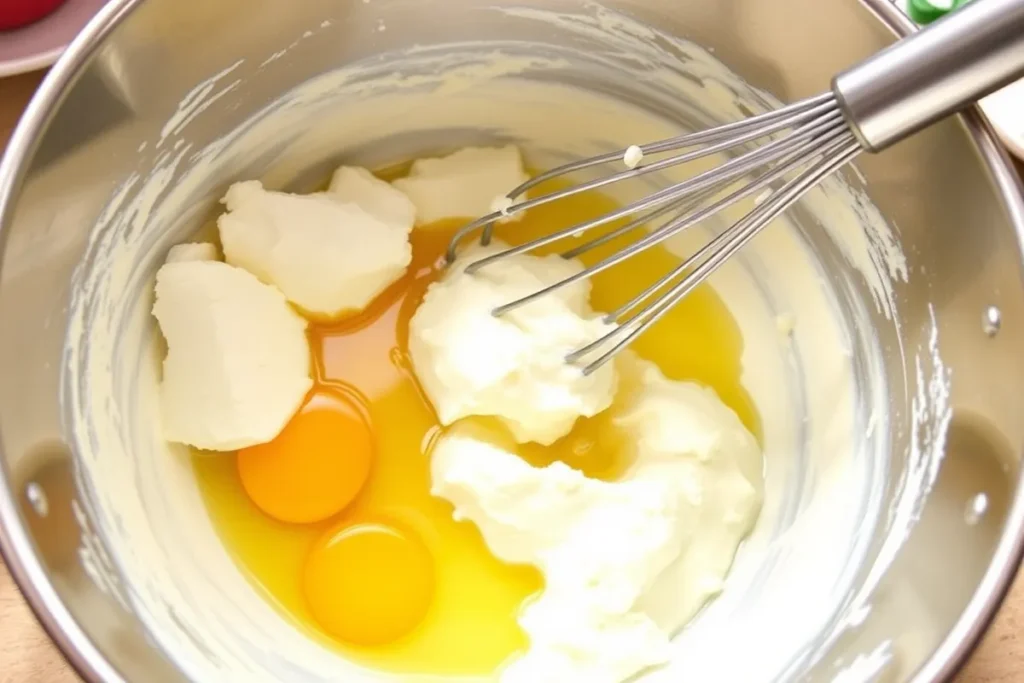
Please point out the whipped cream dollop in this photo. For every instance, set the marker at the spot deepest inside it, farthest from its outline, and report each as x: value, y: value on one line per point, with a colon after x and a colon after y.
x: 471, y: 362
x: 625, y: 563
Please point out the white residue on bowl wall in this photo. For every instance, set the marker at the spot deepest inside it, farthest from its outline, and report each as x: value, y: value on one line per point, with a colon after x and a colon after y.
x: 198, y: 100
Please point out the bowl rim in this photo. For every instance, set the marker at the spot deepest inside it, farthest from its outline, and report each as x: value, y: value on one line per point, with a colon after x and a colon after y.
x: 27, y: 568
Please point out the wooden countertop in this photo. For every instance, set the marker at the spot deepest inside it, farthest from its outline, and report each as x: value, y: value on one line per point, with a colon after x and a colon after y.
x: 26, y: 654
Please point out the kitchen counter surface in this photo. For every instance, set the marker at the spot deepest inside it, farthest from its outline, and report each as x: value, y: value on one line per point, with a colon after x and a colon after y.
x: 27, y: 656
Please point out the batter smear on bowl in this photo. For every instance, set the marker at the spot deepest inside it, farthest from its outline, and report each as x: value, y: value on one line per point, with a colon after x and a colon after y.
x: 428, y: 488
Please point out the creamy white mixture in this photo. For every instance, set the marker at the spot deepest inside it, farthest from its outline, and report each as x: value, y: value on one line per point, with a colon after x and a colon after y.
x: 471, y: 362
x: 814, y: 390
x: 625, y: 563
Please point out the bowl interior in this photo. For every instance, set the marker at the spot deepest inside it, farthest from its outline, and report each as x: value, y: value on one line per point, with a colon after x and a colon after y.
x: 890, y: 431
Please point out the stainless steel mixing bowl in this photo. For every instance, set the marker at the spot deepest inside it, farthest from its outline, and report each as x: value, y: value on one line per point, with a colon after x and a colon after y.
x: 951, y: 192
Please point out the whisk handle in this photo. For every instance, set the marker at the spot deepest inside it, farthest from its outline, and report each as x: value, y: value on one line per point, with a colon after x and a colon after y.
x: 935, y: 72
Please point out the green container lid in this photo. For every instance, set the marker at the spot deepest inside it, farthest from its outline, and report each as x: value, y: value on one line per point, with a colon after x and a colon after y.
x: 927, y: 11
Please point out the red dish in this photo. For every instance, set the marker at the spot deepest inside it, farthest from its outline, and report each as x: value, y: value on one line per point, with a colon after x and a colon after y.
x: 18, y: 13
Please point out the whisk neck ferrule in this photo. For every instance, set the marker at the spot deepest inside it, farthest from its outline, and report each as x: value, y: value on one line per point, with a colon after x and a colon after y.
x: 938, y: 71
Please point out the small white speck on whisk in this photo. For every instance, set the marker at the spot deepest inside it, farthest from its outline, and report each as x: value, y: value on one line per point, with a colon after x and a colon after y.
x: 633, y: 156
x: 501, y: 205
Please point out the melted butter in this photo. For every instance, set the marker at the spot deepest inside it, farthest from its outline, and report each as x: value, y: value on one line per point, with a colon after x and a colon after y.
x: 471, y: 627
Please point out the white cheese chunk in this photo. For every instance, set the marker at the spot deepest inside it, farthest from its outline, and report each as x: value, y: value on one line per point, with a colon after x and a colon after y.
x: 466, y: 184
x: 238, y: 362
x: 356, y: 185
x: 327, y: 256
x: 625, y: 563
x: 470, y: 362
x: 192, y: 251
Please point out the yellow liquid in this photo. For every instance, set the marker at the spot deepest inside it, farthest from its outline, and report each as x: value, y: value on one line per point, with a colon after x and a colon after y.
x: 471, y: 627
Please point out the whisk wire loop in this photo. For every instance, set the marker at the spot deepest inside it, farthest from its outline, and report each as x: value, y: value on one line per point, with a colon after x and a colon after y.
x: 734, y: 168
x: 719, y: 251
x: 705, y: 181
x: 790, y: 115
x: 767, y: 149
x: 781, y: 154
x: 724, y: 138
x: 788, y: 164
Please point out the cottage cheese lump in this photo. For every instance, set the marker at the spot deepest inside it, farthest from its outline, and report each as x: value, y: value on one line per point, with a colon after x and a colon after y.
x: 512, y: 366
x: 625, y: 563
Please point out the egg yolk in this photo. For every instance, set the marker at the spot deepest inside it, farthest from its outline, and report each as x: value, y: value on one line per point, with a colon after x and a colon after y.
x: 368, y: 584
x: 315, y: 466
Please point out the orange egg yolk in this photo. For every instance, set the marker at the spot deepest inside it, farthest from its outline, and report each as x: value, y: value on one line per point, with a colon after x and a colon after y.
x: 368, y: 584
x: 315, y: 466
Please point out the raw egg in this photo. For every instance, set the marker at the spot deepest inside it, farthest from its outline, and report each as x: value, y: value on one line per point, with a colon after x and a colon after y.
x: 368, y: 584
x: 315, y: 466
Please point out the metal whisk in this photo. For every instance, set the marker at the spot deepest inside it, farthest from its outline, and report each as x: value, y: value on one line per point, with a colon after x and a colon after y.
x: 784, y: 153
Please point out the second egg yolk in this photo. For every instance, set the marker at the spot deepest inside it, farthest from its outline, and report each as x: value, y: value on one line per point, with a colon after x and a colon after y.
x: 369, y: 583
x: 315, y: 466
